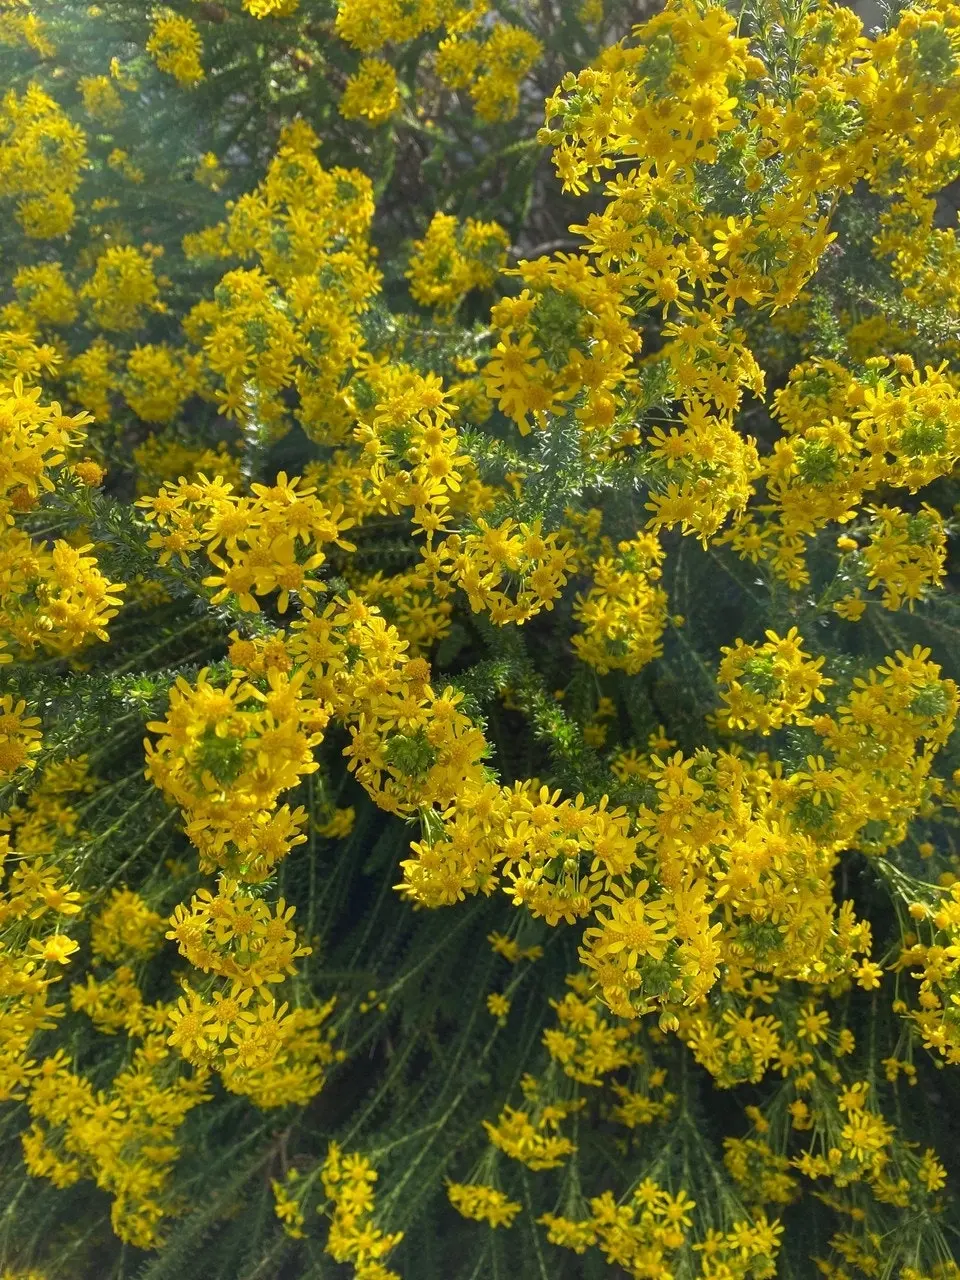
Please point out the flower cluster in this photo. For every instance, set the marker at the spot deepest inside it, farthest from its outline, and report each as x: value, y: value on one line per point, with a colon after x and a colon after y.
x: 451, y: 260
x: 483, y: 1204
x: 770, y: 685
x: 532, y: 1138
x: 492, y: 69
x: 42, y: 157
x: 291, y: 321
x: 371, y: 93
x: 623, y: 614
x: 348, y: 1181
x: 175, y: 45
x: 225, y: 754
x: 52, y: 594
x: 640, y: 1235
x: 270, y: 541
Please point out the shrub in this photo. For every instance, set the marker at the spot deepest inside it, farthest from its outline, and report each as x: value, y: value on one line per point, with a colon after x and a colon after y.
x: 479, y: 649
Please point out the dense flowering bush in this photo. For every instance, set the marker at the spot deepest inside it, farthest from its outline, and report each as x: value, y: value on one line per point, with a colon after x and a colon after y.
x: 478, y: 790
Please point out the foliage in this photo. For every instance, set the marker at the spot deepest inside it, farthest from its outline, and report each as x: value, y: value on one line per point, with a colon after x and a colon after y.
x: 477, y: 640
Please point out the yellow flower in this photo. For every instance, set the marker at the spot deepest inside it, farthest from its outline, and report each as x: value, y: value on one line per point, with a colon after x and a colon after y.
x: 372, y: 93
x: 498, y: 1005
x: 483, y: 1203
x: 55, y: 949
x: 175, y: 45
